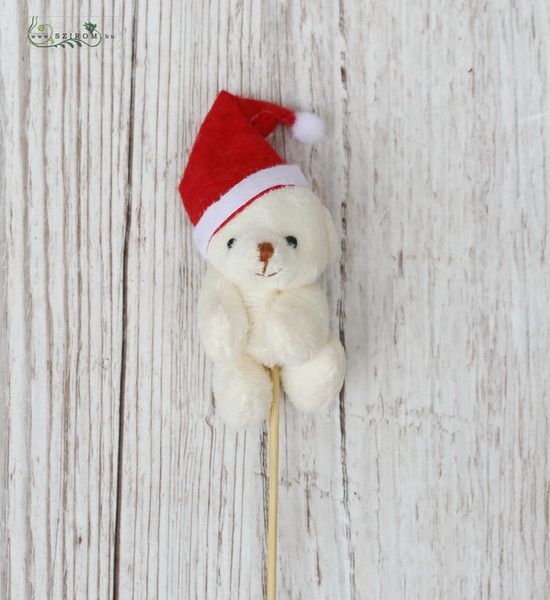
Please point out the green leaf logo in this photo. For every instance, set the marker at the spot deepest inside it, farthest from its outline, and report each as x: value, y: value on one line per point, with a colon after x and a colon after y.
x: 90, y: 27
x: 43, y: 35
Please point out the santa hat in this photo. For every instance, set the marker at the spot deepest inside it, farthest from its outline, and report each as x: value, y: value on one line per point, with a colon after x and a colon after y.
x: 232, y: 164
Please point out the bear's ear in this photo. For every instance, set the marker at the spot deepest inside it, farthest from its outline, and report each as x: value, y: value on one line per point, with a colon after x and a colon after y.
x: 330, y: 229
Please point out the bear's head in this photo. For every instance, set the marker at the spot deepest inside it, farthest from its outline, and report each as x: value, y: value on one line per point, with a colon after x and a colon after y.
x: 283, y: 240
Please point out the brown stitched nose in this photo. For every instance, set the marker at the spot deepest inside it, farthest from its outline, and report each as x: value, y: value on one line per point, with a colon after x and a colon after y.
x: 266, y: 251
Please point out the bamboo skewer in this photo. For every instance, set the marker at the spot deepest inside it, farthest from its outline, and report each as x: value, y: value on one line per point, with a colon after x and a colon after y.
x: 273, y: 491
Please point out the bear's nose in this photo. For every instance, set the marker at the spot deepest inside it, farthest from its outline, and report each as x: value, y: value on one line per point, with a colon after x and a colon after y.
x: 266, y: 251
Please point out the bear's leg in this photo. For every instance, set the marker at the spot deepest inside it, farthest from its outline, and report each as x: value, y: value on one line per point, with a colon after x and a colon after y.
x: 315, y: 383
x: 242, y: 390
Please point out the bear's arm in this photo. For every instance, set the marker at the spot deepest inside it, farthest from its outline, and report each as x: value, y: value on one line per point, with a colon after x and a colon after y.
x: 298, y: 324
x: 223, y: 321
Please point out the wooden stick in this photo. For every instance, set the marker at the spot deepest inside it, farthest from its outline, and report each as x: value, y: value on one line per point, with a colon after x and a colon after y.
x: 273, y: 491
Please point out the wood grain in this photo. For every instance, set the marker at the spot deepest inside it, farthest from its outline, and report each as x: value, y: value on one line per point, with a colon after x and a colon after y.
x: 430, y: 476
x: 64, y: 174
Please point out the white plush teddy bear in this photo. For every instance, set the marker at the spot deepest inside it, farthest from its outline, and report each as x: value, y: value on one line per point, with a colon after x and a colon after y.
x: 267, y: 239
x: 260, y: 306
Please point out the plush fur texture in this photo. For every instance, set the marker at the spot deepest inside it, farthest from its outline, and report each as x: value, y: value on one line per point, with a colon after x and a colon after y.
x: 260, y: 306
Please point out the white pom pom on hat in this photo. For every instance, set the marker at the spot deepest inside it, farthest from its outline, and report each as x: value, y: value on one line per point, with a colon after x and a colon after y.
x: 232, y: 164
x: 308, y: 128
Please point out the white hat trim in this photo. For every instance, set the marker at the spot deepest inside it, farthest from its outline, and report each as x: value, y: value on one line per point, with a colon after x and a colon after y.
x: 239, y: 195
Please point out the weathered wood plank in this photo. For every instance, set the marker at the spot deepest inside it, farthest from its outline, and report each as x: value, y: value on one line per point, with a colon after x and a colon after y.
x: 183, y: 479
x: 447, y: 299
x: 64, y: 118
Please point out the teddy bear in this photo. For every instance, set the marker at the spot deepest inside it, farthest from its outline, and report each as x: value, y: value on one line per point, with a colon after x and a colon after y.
x: 267, y: 238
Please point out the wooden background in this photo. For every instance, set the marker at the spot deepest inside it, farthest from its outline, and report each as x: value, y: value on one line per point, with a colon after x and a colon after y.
x: 430, y: 477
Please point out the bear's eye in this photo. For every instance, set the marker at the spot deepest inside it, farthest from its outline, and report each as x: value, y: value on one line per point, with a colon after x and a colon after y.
x: 291, y: 241
x: 231, y: 242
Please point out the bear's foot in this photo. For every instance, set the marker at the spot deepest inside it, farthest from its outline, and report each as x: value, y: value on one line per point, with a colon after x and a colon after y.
x: 242, y: 390
x: 314, y: 384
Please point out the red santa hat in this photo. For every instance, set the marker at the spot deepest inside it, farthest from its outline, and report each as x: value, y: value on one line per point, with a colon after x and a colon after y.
x: 231, y: 163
